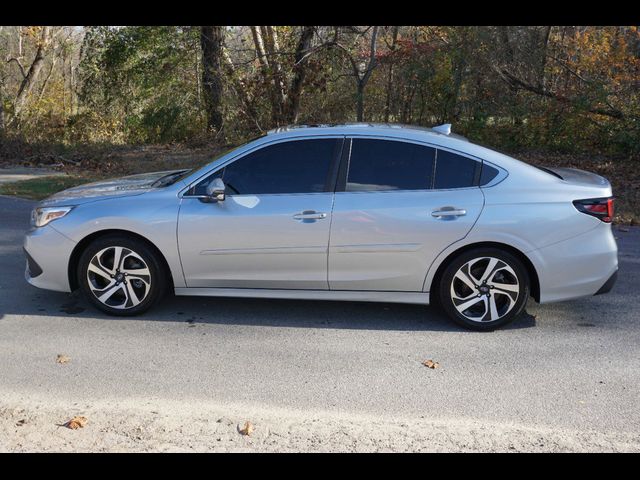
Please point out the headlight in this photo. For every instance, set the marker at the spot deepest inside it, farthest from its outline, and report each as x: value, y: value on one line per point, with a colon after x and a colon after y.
x: 43, y: 215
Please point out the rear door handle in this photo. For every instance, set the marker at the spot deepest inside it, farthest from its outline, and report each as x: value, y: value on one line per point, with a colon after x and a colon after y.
x: 310, y: 215
x: 449, y: 212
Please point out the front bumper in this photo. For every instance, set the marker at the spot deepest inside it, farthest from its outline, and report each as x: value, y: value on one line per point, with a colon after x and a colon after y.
x: 49, y: 253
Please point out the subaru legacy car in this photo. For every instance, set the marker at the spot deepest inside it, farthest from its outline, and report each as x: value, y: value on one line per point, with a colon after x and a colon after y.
x: 357, y: 212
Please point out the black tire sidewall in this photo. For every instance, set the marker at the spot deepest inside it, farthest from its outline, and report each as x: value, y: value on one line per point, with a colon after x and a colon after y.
x: 158, y: 283
x: 444, y: 296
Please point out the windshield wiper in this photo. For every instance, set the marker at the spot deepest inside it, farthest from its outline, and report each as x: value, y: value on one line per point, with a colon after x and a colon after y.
x: 169, y: 179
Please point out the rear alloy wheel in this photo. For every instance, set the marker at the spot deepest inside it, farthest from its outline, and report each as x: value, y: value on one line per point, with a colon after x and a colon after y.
x: 121, y: 275
x: 484, y: 289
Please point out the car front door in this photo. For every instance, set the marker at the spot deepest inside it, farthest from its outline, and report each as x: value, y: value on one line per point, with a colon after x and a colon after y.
x: 272, y: 229
x: 397, y: 206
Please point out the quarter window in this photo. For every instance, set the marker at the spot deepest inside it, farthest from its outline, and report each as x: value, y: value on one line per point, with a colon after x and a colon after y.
x: 389, y: 165
x: 488, y: 174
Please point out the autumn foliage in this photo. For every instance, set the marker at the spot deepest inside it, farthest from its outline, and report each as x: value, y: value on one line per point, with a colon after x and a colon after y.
x: 547, y: 88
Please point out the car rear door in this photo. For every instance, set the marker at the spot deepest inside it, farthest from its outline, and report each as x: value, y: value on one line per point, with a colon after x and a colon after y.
x: 272, y: 230
x: 398, y: 204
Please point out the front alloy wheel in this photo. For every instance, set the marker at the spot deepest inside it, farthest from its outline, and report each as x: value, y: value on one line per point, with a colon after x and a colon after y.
x: 484, y: 289
x: 121, y: 275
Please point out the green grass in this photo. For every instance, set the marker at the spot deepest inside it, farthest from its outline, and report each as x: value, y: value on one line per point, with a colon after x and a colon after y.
x: 42, y: 187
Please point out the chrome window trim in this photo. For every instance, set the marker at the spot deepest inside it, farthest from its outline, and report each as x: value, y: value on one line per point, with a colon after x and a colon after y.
x: 267, y: 141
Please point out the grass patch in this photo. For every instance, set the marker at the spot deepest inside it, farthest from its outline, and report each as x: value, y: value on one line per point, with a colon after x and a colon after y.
x: 42, y: 187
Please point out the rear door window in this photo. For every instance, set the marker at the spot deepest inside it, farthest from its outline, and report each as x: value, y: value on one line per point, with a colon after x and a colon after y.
x: 378, y: 165
x: 455, y: 171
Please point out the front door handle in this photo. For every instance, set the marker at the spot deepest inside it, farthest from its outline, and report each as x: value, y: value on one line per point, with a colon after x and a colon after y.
x: 310, y: 215
x: 448, y: 212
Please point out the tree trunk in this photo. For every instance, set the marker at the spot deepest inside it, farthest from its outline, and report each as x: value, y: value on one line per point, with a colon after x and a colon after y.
x: 273, y: 49
x: 503, y: 31
x: 360, y: 101
x: 543, y: 57
x: 33, y: 73
x: 267, y: 75
x: 387, y: 104
x: 299, y: 74
x: 211, y: 40
x: 1, y: 113
x: 240, y: 89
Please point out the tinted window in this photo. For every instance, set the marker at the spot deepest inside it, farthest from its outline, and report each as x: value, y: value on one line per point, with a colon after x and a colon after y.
x: 488, y: 174
x: 299, y: 166
x: 454, y: 171
x: 389, y: 165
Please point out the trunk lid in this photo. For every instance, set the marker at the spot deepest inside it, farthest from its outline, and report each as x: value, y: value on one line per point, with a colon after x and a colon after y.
x: 576, y: 176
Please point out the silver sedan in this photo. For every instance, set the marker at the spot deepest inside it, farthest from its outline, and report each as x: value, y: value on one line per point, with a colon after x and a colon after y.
x: 382, y: 213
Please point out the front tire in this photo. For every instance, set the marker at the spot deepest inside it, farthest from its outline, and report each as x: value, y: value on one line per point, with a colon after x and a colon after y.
x: 121, y: 275
x: 484, y: 289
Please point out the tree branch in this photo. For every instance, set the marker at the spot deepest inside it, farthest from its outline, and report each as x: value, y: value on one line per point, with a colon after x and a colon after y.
x: 516, y: 82
x: 14, y: 59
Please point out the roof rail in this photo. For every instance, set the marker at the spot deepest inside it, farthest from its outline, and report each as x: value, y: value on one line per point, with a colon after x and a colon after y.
x: 444, y: 129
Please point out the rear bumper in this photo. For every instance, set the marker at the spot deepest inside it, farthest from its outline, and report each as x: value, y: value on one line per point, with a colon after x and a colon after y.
x: 48, y: 253
x: 606, y: 288
x: 581, y: 266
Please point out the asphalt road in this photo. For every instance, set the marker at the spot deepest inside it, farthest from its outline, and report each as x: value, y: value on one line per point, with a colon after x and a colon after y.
x: 572, y: 365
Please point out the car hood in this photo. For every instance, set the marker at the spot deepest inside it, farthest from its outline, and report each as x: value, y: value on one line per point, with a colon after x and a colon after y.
x: 101, y: 190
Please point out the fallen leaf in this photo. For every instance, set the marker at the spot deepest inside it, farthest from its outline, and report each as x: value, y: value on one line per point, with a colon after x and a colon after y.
x: 247, y: 429
x: 430, y: 364
x: 62, y: 359
x: 76, y: 423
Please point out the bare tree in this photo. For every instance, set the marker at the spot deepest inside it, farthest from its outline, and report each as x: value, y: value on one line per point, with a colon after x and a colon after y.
x: 30, y: 76
x: 239, y: 87
x: 392, y: 48
x: 361, y: 68
x: 211, y: 41
x: 1, y: 110
x: 285, y: 88
x: 301, y: 56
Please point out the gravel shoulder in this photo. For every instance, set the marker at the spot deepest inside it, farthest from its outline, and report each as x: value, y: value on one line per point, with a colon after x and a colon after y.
x: 138, y: 426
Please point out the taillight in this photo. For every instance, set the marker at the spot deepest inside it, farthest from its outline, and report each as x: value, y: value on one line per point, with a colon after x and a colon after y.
x: 601, y: 208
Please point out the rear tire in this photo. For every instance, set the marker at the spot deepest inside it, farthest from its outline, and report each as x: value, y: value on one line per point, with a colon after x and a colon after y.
x: 121, y: 275
x: 484, y: 289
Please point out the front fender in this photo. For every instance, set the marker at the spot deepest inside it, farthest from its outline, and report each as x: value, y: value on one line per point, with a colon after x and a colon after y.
x: 151, y: 216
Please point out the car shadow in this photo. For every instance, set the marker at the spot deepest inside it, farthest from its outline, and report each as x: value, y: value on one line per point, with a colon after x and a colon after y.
x: 252, y: 311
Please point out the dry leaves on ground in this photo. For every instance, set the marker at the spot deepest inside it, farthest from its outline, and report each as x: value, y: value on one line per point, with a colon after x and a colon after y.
x: 62, y: 359
x: 430, y: 364
x: 247, y: 429
x: 76, y: 423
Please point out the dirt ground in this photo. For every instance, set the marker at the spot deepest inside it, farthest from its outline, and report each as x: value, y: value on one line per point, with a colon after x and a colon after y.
x: 140, y: 426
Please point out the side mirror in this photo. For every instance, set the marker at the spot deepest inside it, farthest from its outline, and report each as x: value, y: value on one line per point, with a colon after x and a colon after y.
x: 215, y: 190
